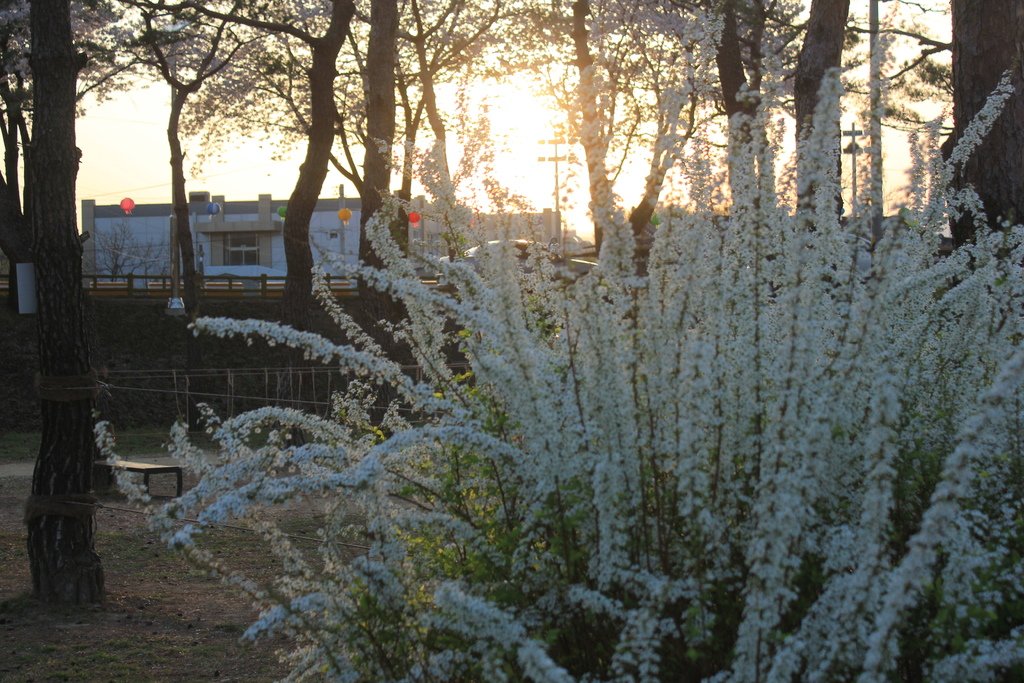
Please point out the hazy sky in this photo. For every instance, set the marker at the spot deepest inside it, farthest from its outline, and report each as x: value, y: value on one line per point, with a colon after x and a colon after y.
x: 124, y: 148
x: 125, y: 154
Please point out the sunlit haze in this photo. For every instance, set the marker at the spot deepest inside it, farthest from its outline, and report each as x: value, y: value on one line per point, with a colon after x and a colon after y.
x: 125, y: 153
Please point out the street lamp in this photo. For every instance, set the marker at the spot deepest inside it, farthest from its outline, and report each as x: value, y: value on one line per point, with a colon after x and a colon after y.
x: 852, y: 150
x: 558, y: 189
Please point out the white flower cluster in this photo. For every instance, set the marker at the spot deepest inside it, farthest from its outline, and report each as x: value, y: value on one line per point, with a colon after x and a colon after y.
x: 758, y: 462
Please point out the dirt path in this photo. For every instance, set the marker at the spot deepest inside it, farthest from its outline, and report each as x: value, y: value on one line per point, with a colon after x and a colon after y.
x: 16, y: 469
x: 163, y: 620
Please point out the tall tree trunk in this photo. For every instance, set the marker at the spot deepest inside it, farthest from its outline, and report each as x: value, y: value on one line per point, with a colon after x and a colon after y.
x: 822, y: 50
x: 374, y: 305
x: 15, y: 231
x: 412, y: 124
x: 740, y: 96
x: 16, y: 244
x: 380, y: 120
x: 297, y: 299
x: 429, y: 98
x: 988, y: 39
x: 186, y: 246
x: 592, y: 136
x: 64, y: 564
x: 729, y: 60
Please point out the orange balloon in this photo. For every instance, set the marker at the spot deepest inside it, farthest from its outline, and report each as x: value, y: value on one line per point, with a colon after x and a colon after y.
x: 127, y: 204
x: 414, y: 217
x: 345, y: 214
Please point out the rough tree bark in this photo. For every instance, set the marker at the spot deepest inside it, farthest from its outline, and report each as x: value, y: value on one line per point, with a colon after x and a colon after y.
x: 591, y: 135
x: 297, y: 299
x: 374, y: 305
x: 729, y: 59
x: 15, y: 231
x: 380, y: 119
x: 988, y: 39
x: 186, y: 247
x: 822, y: 50
x: 63, y: 560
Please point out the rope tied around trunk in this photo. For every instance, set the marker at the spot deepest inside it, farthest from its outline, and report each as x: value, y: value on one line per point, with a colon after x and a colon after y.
x: 67, y: 387
x: 77, y: 505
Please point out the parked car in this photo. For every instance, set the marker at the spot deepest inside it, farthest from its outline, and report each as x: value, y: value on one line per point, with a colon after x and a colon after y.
x: 473, y: 254
x: 581, y: 255
x: 574, y: 246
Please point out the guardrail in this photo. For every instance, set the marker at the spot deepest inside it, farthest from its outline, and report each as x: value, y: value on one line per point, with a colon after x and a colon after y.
x: 211, y: 286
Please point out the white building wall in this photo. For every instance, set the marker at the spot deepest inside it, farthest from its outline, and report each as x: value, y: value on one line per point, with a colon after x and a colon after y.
x: 143, y: 238
x: 140, y: 243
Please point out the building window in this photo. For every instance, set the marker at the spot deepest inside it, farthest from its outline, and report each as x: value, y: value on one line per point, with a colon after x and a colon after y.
x: 241, y: 249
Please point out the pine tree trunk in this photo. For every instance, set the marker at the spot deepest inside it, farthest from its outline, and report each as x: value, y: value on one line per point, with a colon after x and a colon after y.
x: 64, y: 564
x: 988, y: 39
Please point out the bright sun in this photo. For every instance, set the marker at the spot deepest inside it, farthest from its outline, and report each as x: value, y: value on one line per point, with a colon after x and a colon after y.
x: 124, y: 152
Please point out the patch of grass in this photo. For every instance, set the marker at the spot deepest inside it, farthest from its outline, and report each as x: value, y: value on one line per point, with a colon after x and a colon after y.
x: 23, y: 446
x: 18, y: 446
x: 18, y: 605
x: 171, y: 656
x: 143, y: 441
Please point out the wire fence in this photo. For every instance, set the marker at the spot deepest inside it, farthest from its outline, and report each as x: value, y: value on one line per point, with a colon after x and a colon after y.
x: 171, y: 394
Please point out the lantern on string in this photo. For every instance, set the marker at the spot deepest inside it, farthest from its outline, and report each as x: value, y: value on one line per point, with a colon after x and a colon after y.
x: 127, y: 204
x: 345, y: 215
x: 655, y: 220
x: 212, y: 209
x: 282, y: 211
x: 414, y: 218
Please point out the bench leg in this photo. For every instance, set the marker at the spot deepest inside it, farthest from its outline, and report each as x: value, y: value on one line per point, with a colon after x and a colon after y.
x: 145, y: 480
x: 178, y: 473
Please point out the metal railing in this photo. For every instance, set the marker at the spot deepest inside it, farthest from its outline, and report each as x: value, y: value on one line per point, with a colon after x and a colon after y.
x: 211, y: 286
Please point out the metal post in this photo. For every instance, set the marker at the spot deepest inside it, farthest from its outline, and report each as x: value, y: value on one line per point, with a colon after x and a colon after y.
x: 344, y: 225
x: 558, y: 188
x: 875, y: 125
x: 854, y: 133
x: 558, y: 203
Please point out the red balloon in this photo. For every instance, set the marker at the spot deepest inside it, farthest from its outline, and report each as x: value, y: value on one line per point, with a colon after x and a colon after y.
x: 414, y: 217
x: 127, y: 204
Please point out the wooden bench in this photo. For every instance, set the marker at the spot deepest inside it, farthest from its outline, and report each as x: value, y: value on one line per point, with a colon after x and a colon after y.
x: 146, y: 469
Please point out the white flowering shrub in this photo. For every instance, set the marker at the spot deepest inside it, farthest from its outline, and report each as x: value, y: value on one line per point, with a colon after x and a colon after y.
x: 765, y: 460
